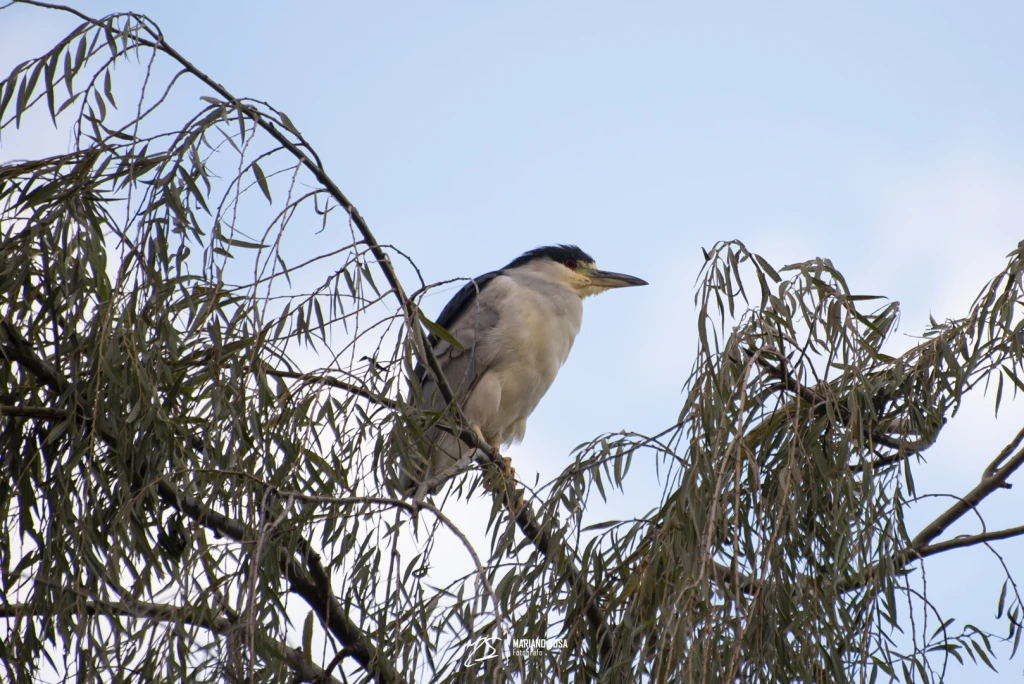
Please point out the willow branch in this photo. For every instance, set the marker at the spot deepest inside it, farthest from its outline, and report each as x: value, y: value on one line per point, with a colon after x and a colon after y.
x: 995, y: 477
x: 969, y: 540
x: 303, y: 669
x: 335, y: 383
x: 38, y: 412
x: 814, y: 399
x: 990, y: 481
x: 311, y: 583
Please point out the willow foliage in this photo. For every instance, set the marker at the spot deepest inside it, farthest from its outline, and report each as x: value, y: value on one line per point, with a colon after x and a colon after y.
x: 193, y: 431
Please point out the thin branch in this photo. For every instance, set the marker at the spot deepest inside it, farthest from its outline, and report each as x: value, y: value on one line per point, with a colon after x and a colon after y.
x: 969, y: 540
x: 40, y: 412
x: 481, y: 574
x: 162, y: 612
x: 990, y: 471
x: 315, y: 588
x: 333, y: 382
x: 808, y: 395
x: 304, y: 669
x: 989, y: 483
x: 14, y: 347
x: 921, y: 546
x: 524, y: 516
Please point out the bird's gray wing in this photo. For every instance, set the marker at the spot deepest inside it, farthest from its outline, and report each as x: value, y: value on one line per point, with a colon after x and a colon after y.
x: 452, y: 315
x: 468, y: 317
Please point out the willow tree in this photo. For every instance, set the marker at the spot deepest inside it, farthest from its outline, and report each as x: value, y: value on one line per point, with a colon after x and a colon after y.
x: 194, y: 429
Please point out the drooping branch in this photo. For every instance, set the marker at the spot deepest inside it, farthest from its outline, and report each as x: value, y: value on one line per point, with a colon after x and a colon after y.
x: 304, y: 669
x: 38, y: 412
x: 811, y: 397
x: 312, y: 582
x: 335, y: 383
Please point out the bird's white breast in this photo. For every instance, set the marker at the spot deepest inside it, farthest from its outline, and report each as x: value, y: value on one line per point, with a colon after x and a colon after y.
x: 537, y: 325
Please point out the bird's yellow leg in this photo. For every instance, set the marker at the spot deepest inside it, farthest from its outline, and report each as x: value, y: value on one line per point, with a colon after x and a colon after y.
x: 495, y: 444
x: 479, y: 433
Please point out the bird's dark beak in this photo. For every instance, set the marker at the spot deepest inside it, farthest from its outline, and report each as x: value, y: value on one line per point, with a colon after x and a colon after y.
x: 608, y: 279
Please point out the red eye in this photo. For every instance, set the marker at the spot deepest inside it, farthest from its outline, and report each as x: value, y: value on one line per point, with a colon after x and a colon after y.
x: 570, y: 263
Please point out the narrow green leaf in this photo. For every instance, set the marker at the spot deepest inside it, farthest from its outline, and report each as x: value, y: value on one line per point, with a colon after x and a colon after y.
x: 108, y: 88
x: 80, y: 52
x: 67, y: 103
x: 262, y: 181
x: 48, y: 77
x: 33, y: 79
x: 440, y: 332
x: 235, y: 242
x: 287, y: 123
x: 19, y: 106
x: 99, y: 103
x: 307, y: 637
x: 6, y: 94
x: 69, y: 73
x: 111, y: 41
x: 768, y: 268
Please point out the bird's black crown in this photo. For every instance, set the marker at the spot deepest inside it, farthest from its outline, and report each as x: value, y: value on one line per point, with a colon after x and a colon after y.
x: 559, y: 253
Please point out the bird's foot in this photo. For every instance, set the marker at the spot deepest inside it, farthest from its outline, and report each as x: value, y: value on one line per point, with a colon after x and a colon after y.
x: 501, y: 480
x: 503, y: 461
x: 516, y: 501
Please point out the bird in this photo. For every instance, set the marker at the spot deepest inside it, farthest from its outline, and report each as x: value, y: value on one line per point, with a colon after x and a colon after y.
x: 514, y: 328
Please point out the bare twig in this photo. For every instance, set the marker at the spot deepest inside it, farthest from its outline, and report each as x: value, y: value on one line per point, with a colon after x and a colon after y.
x: 921, y: 547
x: 990, y: 471
x: 989, y: 483
x: 329, y: 381
x: 969, y: 540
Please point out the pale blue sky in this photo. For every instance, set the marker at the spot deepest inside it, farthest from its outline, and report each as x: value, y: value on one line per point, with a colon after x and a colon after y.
x: 886, y: 138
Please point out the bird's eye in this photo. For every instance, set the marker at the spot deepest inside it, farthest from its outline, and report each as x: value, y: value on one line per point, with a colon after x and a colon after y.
x: 570, y: 263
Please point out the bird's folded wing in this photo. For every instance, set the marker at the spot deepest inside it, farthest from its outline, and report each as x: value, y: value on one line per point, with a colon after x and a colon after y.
x: 463, y: 367
x: 469, y: 317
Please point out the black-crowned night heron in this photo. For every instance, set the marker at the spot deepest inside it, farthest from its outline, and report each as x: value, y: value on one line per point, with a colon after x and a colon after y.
x: 516, y: 327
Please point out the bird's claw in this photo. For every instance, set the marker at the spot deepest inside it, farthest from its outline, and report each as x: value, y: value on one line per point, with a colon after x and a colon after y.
x: 504, y: 479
